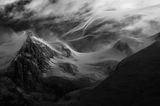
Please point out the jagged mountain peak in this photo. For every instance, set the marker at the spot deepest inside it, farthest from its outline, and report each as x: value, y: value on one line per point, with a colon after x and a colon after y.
x: 29, y: 67
x: 30, y: 62
x: 35, y: 55
x: 37, y: 60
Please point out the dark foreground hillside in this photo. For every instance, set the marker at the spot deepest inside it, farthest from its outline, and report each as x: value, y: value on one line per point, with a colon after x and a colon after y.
x: 136, y: 82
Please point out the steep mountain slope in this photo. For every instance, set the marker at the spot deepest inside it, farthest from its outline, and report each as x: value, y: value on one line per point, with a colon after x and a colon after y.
x: 35, y: 59
x: 135, y: 82
x: 41, y: 71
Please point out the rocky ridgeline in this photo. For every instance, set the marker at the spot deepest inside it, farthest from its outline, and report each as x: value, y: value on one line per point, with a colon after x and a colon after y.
x: 25, y: 80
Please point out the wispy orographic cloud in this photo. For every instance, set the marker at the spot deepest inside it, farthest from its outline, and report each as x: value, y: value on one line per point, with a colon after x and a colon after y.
x: 63, y: 7
x: 4, y: 2
x: 117, y: 10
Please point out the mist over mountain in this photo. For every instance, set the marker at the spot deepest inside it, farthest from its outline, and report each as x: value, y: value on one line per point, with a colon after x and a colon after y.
x: 56, y: 51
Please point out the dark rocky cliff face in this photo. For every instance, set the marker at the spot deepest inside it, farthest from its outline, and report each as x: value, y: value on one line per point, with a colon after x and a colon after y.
x: 23, y: 80
x: 30, y: 63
